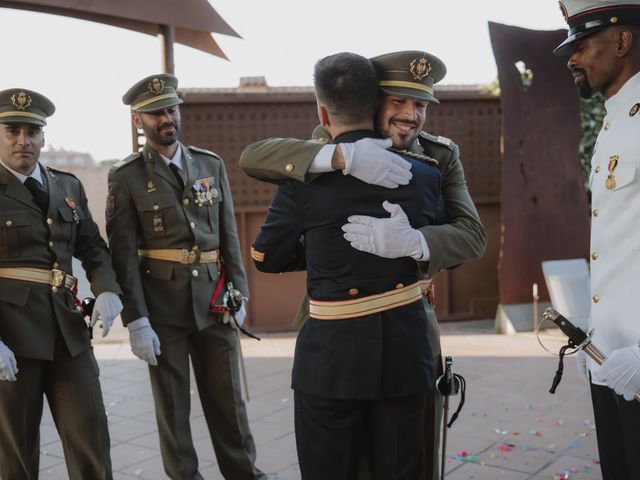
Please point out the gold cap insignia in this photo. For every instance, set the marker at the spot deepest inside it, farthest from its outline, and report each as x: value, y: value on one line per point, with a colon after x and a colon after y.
x: 22, y: 101
x: 563, y: 9
x: 419, y: 68
x: 156, y: 86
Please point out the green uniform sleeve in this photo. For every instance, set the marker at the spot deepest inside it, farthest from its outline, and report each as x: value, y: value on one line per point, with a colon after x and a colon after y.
x: 463, y: 238
x: 276, y: 159
x: 122, y: 231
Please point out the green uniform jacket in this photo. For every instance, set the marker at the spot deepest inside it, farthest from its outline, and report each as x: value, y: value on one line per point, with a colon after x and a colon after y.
x: 29, y: 311
x: 146, y: 209
x: 460, y: 240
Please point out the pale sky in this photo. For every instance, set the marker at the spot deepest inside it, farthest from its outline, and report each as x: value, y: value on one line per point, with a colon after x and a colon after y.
x: 85, y: 67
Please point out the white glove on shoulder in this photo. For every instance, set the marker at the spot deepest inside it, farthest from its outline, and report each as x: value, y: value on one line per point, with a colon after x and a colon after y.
x: 581, y: 367
x: 8, y: 364
x: 369, y: 160
x: 392, y: 237
x: 145, y: 344
x: 241, y: 314
x: 107, y: 307
x: 621, y: 371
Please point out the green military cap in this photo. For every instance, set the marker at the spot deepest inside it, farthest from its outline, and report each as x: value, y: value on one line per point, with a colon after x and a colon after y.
x: 153, y: 93
x: 411, y: 73
x: 586, y: 17
x: 19, y: 105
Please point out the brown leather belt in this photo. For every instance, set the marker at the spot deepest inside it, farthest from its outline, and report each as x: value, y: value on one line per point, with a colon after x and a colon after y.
x: 184, y: 256
x: 358, y: 307
x: 55, y: 278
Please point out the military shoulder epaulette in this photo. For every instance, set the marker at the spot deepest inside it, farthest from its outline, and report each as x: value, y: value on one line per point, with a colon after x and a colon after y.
x: 126, y: 161
x: 54, y: 171
x: 321, y: 141
x: 447, y: 142
x: 202, y: 150
x: 417, y: 156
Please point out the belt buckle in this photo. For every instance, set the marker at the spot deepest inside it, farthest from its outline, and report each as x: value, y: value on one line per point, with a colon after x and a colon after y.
x: 57, y: 278
x: 189, y: 257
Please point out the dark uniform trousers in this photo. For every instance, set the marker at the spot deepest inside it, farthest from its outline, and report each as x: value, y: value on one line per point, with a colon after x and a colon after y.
x: 618, y: 433
x: 360, y: 383
x: 47, y: 333
x: 147, y: 208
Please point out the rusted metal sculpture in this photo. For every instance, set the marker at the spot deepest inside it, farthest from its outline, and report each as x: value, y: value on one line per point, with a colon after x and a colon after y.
x: 545, y: 215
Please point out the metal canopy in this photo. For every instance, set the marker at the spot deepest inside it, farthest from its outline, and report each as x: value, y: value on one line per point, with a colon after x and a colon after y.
x: 192, y: 21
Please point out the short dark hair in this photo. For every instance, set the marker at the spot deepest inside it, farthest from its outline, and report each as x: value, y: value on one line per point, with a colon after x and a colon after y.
x: 347, y: 84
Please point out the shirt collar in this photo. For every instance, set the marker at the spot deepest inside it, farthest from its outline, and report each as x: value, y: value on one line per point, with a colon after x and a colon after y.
x: 625, y: 97
x: 37, y: 174
x: 176, y: 159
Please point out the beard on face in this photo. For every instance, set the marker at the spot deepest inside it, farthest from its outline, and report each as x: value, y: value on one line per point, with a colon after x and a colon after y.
x: 584, y: 87
x: 400, y: 140
x: 156, y: 135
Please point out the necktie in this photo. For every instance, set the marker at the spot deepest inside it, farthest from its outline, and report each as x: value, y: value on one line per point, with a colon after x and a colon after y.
x: 40, y: 195
x: 176, y: 171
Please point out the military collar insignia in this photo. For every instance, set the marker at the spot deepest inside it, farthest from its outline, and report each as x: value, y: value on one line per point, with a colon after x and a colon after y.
x: 634, y: 109
x: 419, y: 68
x: 563, y: 9
x: 156, y: 86
x: 22, y: 101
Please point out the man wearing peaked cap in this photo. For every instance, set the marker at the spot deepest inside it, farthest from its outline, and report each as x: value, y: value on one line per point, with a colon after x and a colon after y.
x: 405, y: 81
x: 45, y: 346
x: 173, y: 236
x: 381, y: 370
x: 603, y: 47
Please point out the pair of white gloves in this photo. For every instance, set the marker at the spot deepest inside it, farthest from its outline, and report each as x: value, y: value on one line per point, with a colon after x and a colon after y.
x: 369, y: 160
x: 105, y: 310
x: 620, y: 371
x: 145, y: 343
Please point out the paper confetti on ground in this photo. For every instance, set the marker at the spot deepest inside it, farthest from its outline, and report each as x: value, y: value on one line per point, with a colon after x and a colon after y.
x: 505, y: 447
x: 464, y: 456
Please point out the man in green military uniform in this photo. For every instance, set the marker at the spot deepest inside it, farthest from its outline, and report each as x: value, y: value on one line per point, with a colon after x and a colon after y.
x: 174, y: 241
x: 45, y: 346
x: 406, y: 82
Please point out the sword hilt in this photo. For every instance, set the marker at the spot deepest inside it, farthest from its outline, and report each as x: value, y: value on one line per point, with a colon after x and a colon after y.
x: 578, y: 338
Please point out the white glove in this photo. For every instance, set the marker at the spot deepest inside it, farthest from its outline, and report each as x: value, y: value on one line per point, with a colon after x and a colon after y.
x: 621, y: 371
x: 392, y: 237
x: 145, y: 344
x: 369, y: 160
x: 581, y: 367
x: 8, y: 365
x: 106, y: 309
x: 241, y: 314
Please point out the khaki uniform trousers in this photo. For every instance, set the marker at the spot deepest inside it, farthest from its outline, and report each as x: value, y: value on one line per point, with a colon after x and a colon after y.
x: 214, y: 354
x: 72, y: 388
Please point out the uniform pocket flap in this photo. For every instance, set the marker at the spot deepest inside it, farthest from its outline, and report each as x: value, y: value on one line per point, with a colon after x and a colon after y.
x: 14, y: 292
x: 66, y: 214
x: 155, y: 202
x: 624, y: 175
x: 14, y: 219
x: 156, y: 268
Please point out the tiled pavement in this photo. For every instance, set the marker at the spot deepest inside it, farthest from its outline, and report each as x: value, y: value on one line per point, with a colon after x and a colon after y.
x: 510, y: 427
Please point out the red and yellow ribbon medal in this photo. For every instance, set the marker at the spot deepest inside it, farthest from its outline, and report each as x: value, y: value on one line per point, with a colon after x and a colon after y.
x: 611, y: 179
